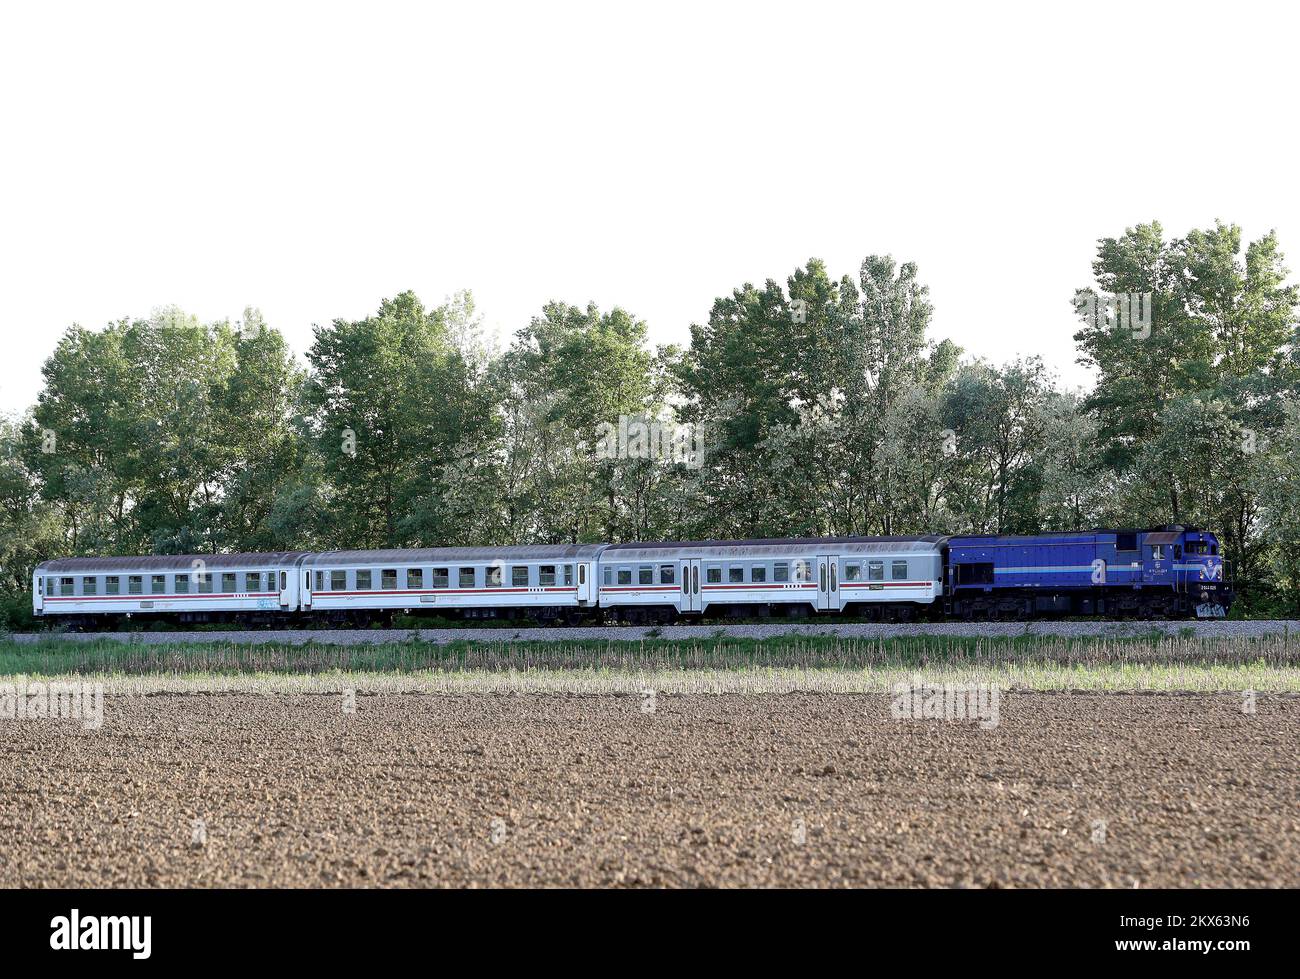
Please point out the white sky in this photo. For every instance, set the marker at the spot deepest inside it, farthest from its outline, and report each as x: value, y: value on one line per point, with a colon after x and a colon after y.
x: 312, y: 159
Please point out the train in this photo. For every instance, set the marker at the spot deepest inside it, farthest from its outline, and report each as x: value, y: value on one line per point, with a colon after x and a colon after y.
x: 1163, y: 572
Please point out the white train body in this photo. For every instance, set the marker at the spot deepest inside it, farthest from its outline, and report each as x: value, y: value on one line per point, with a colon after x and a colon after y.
x: 637, y: 582
x: 816, y: 574
x: 195, y: 585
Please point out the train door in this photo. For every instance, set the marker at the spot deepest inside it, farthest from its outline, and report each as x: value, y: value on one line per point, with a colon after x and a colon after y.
x: 38, y: 594
x: 586, y: 574
x: 306, y: 587
x: 689, y: 595
x: 828, y: 582
x: 283, y: 587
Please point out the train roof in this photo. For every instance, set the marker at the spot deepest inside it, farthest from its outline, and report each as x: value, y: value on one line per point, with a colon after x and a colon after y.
x: 450, y: 555
x: 770, y: 546
x: 168, y: 562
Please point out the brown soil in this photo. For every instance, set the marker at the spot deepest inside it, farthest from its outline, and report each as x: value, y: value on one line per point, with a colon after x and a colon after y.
x: 799, y: 789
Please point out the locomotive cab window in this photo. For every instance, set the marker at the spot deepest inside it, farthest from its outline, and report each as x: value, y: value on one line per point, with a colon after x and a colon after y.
x: 1157, y: 552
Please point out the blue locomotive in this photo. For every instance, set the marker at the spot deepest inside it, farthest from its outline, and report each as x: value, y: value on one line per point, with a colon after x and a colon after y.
x: 1169, y: 572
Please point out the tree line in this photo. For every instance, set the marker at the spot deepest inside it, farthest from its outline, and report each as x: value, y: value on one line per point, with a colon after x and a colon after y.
x: 821, y: 406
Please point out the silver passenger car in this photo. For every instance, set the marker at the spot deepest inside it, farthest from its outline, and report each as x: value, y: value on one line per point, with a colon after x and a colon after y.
x: 876, y: 574
x: 188, y: 587
x: 469, y: 580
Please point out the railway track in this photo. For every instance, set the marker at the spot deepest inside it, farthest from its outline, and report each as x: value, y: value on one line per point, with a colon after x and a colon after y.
x: 856, y: 630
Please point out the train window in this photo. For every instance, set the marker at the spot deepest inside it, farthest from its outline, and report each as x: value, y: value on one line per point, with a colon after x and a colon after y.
x: 466, y: 577
x: 365, y: 579
x: 182, y: 584
x: 495, y: 573
x: 713, y: 574
x: 415, y: 577
x: 645, y: 575
x: 65, y: 586
x: 781, y: 571
x: 758, y: 572
x: 204, y: 582
x: 320, y: 580
x: 1126, y: 542
x: 568, y: 575
x: 546, y: 575
x: 667, y: 574
x: 88, y: 585
x: 158, y: 584
x: 284, y: 580
x: 135, y: 584
x: 228, y: 579
x: 1214, y: 548
x: 519, y: 577
x: 112, y: 585
x: 852, y: 570
x: 338, y: 581
x: 1157, y: 552
x: 625, y: 576
x: 735, y: 575
x: 898, y: 570
x: 802, y: 571
x: 609, y: 576
x: 441, y: 578
x: 876, y: 570
x: 388, y: 579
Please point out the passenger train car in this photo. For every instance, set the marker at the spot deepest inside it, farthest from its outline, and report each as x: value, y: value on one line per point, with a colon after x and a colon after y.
x: 1172, y: 571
